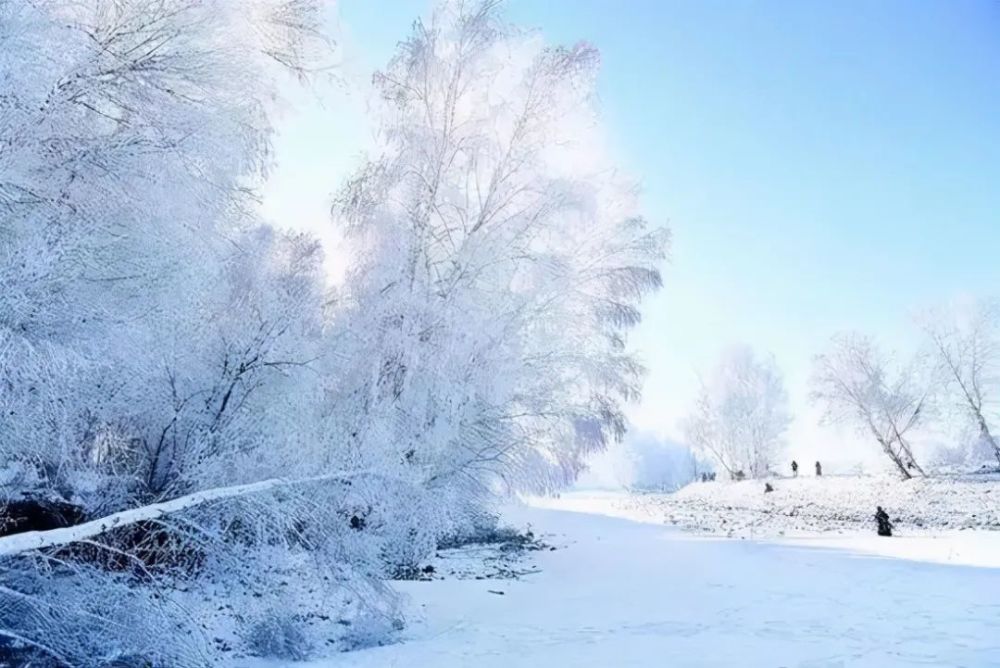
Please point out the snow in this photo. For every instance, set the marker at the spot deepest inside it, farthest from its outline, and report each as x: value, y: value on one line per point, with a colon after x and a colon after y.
x: 965, y: 547
x: 623, y: 593
x: 960, y: 548
x: 830, y: 503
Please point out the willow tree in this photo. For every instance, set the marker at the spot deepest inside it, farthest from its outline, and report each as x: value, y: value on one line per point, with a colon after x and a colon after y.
x: 966, y: 348
x: 857, y: 383
x: 741, y: 414
x: 501, y: 262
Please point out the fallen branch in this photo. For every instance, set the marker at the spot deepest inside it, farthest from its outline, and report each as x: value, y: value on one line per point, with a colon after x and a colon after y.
x: 37, y: 540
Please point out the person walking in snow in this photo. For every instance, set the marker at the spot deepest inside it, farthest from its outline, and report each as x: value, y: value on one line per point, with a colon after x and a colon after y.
x: 819, y: 469
x: 884, y: 525
x: 795, y: 469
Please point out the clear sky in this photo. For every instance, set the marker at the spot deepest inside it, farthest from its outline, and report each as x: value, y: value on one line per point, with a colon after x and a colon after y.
x: 823, y: 166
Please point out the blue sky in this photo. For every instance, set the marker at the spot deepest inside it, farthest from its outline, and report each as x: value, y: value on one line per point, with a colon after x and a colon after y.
x: 823, y: 166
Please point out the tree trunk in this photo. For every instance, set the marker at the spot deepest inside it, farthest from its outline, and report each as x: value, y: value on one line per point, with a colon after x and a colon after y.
x: 909, y: 453
x: 36, y: 540
x: 984, y: 432
x: 898, y: 462
x: 887, y: 449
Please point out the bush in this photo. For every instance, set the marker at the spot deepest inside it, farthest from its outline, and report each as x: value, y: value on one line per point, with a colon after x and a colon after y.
x: 279, y: 636
x: 369, y: 630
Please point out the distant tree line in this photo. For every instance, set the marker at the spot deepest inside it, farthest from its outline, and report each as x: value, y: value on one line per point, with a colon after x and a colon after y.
x: 740, y: 415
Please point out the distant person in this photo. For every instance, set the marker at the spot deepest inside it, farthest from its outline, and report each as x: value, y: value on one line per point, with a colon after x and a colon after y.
x: 795, y: 469
x: 819, y: 469
x: 768, y: 487
x: 740, y: 475
x: 884, y: 525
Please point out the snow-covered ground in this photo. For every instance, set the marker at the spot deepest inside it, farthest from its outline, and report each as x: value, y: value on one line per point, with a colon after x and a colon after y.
x: 734, y: 513
x: 620, y: 593
x: 829, y: 504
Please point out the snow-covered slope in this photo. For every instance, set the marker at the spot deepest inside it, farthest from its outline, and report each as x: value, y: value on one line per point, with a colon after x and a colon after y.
x: 621, y: 594
x: 830, y: 503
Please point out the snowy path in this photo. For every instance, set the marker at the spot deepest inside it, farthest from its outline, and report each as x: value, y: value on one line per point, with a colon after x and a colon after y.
x: 619, y: 593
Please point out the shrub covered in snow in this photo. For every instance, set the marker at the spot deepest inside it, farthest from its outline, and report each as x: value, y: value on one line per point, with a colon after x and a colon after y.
x: 278, y: 635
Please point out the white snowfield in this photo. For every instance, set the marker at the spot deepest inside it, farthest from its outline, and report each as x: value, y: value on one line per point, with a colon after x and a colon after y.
x: 832, y: 503
x: 621, y: 593
x: 942, y: 520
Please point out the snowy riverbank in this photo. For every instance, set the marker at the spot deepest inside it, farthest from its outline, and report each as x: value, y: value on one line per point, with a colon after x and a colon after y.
x: 734, y: 510
x: 637, y: 594
x: 809, y: 504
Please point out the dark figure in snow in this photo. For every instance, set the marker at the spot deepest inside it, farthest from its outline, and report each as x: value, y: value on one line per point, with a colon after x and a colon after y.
x: 819, y: 469
x: 711, y: 476
x: 768, y: 488
x: 739, y: 475
x: 704, y: 477
x: 884, y: 525
x: 795, y: 469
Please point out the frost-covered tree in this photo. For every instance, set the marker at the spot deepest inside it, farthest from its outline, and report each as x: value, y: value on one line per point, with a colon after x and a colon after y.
x: 741, y: 414
x: 131, y: 134
x: 855, y: 382
x: 501, y: 261
x: 156, y: 339
x: 965, y: 344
